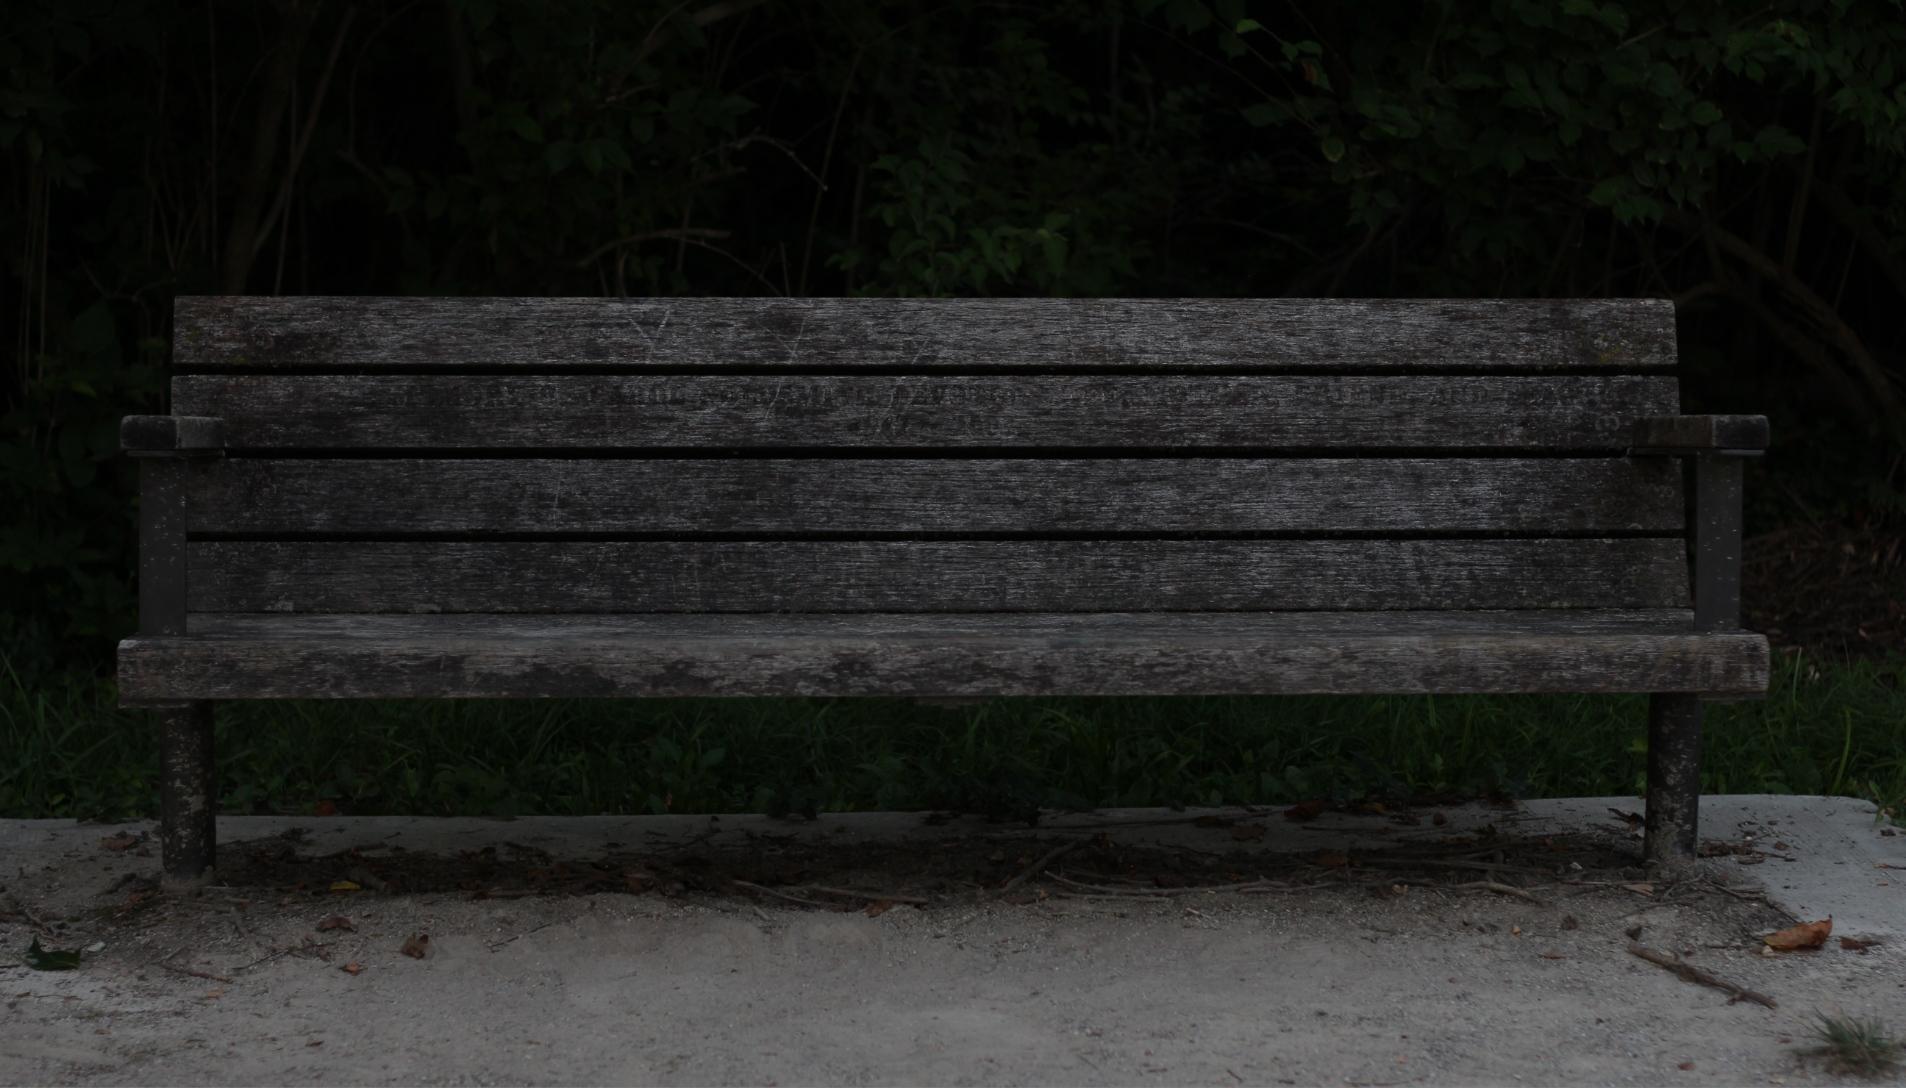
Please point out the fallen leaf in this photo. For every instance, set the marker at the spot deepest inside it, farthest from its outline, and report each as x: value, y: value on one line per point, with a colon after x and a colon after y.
x: 49, y: 959
x: 878, y: 907
x: 1305, y: 810
x: 1331, y: 860
x: 345, y: 886
x: 1248, y: 832
x: 416, y: 946
x: 352, y: 968
x: 1804, y: 935
x: 212, y: 995
x: 315, y: 1042
x: 1632, y: 819
x: 1552, y: 954
x: 324, y: 808
x: 1685, y: 1066
x: 1640, y: 889
x: 1438, y: 819
x: 123, y: 841
x: 336, y: 921
x: 1569, y: 922
x: 1855, y: 944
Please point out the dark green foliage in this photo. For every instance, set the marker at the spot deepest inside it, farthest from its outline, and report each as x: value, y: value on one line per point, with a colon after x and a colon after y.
x: 48, y: 959
x: 1822, y: 729
x: 1743, y: 159
x: 1852, y: 1045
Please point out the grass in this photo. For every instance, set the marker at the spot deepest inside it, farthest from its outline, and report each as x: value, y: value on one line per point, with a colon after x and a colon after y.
x: 1859, y: 1047
x: 1835, y: 729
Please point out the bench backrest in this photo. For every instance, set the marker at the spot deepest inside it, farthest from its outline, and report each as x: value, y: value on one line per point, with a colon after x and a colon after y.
x: 891, y: 455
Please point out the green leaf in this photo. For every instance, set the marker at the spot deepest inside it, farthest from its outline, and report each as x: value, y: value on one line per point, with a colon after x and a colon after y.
x: 1608, y: 190
x: 1704, y: 113
x: 1264, y: 113
x: 1245, y: 26
x: 1332, y: 148
x: 47, y: 959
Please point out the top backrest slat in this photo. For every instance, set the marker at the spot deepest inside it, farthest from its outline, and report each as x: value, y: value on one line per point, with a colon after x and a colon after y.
x: 216, y: 333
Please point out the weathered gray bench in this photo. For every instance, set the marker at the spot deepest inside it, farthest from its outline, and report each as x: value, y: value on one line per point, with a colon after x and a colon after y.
x: 477, y: 498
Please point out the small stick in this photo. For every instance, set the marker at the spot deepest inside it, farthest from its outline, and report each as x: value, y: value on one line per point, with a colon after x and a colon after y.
x: 267, y: 958
x: 1166, y: 893
x: 777, y: 894
x: 1478, y: 886
x: 176, y: 969
x: 871, y: 897
x: 1432, y: 863
x: 1039, y: 866
x: 1695, y: 974
x: 536, y: 929
x: 1752, y: 897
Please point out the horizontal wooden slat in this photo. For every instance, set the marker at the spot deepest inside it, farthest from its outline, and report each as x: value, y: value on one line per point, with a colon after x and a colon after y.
x: 260, y: 657
x: 937, y: 576
x: 1697, y: 433
x: 170, y: 434
x: 571, y: 411
x: 452, y: 333
x: 530, y: 495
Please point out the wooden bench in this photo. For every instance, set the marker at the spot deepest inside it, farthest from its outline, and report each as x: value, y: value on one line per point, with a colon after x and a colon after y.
x: 524, y: 498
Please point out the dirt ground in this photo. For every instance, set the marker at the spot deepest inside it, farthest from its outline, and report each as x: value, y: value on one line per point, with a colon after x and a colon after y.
x: 1435, y: 946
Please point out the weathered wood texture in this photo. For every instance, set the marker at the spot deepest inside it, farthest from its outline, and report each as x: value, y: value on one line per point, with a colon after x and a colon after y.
x: 1717, y: 542
x: 170, y: 434
x: 163, y: 563
x: 259, y: 657
x: 1693, y: 434
x: 188, y: 791
x: 1379, y: 334
x: 1674, y: 780
x: 531, y: 495
x: 937, y: 576
x: 585, y: 411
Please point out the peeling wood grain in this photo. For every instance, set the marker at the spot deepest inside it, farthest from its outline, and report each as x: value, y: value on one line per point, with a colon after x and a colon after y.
x: 847, y: 495
x: 1691, y: 434
x: 251, y: 332
x: 1268, y: 653
x: 597, y: 411
x: 936, y: 576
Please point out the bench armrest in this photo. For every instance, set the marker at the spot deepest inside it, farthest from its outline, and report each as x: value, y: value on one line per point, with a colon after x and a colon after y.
x: 1738, y: 436
x: 171, y: 436
x: 1713, y: 446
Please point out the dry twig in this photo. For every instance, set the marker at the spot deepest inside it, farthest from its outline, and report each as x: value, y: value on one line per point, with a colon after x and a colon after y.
x: 1039, y: 866
x: 871, y: 897
x: 778, y: 894
x: 1479, y: 886
x: 1694, y: 974
x: 177, y: 970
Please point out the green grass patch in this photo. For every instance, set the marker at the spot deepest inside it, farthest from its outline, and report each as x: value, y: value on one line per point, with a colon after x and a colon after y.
x: 70, y: 752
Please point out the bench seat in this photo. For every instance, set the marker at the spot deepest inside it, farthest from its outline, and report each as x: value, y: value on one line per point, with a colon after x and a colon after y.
x: 264, y: 656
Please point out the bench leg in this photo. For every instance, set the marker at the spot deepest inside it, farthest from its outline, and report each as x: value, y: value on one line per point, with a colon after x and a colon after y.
x: 1674, y: 779
x: 187, y: 793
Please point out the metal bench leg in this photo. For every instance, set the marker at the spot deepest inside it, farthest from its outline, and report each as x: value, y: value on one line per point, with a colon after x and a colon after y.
x: 187, y: 792
x: 1674, y: 779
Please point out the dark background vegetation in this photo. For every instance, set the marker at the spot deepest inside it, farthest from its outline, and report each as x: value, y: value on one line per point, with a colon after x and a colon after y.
x: 1744, y: 159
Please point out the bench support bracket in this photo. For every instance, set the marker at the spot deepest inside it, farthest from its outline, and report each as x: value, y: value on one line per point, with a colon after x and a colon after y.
x: 187, y: 797
x: 1674, y: 780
